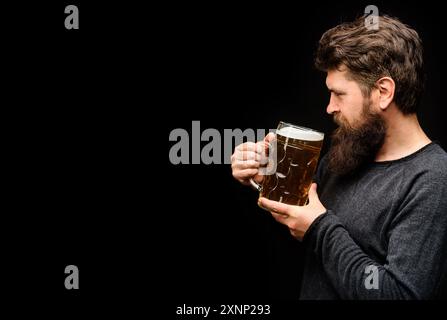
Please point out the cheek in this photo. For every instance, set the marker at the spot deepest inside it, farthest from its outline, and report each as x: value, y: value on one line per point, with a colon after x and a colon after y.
x: 354, y: 107
x: 350, y: 110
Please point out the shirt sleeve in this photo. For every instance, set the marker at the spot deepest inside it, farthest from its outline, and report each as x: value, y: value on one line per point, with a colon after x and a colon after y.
x: 415, y: 266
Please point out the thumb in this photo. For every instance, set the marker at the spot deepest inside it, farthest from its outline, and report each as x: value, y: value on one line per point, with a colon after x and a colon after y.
x: 264, y: 147
x: 268, y: 138
x: 313, y: 193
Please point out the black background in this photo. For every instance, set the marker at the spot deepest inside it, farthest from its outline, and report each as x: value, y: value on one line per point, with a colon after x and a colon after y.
x: 93, y: 109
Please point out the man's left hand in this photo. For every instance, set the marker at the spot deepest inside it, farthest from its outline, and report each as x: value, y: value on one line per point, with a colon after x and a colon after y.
x: 297, y: 218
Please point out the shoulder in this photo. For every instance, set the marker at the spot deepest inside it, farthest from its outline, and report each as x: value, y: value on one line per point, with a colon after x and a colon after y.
x: 421, y: 183
x: 431, y: 161
x: 424, y: 175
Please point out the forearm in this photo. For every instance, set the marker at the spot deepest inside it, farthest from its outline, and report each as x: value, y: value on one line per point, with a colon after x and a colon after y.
x: 345, y: 263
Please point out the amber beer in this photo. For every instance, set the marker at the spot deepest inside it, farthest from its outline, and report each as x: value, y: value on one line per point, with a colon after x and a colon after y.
x: 298, y: 150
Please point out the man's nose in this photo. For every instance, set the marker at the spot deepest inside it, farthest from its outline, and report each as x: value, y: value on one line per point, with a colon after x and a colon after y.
x: 332, y: 107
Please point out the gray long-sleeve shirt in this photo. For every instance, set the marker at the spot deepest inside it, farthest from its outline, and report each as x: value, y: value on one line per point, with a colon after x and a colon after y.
x: 391, y: 215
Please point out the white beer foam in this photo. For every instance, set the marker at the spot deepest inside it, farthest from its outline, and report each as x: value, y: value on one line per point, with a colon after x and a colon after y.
x: 302, y: 134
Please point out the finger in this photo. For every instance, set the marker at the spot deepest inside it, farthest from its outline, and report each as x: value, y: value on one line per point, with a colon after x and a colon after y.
x: 261, y: 147
x: 248, y: 155
x: 313, y: 195
x: 281, y: 218
x: 249, y: 146
x: 245, y: 174
x: 264, y: 159
x: 267, y: 146
x: 264, y: 149
x: 258, y: 178
x: 249, y: 164
x: 275, y: 206
x: 270, y: 137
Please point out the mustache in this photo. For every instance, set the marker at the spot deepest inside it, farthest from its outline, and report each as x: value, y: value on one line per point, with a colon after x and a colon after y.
x: 339, y: 119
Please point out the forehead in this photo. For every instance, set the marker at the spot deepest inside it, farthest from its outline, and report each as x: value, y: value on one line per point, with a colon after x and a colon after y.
x: 337, y: 78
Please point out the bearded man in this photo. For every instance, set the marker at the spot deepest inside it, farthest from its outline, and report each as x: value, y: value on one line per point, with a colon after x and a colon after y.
x: 377, y: 229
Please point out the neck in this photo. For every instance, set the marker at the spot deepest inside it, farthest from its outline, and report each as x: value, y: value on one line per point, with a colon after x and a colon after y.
x: 404, y: 136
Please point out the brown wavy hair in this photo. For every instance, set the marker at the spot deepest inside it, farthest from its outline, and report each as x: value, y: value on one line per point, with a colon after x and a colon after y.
x: 394, y: 50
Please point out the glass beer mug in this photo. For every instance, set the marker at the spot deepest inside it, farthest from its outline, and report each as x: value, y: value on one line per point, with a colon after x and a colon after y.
x: 297, y: 150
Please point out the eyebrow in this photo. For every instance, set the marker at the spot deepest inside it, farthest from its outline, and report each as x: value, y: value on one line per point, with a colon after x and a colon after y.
x: 336, y: 91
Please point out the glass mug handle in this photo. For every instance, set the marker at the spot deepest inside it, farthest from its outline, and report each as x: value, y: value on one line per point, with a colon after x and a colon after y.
x: 255, y: 185
x: 270, y: 168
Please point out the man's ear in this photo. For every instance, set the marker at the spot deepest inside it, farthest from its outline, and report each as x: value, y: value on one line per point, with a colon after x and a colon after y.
x: 386, y: 88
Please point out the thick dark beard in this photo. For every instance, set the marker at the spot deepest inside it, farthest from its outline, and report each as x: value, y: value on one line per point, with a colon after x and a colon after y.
x: 352, y: 147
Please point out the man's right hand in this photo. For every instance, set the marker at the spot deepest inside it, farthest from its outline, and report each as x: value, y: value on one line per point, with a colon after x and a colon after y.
x: 248, y: 157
